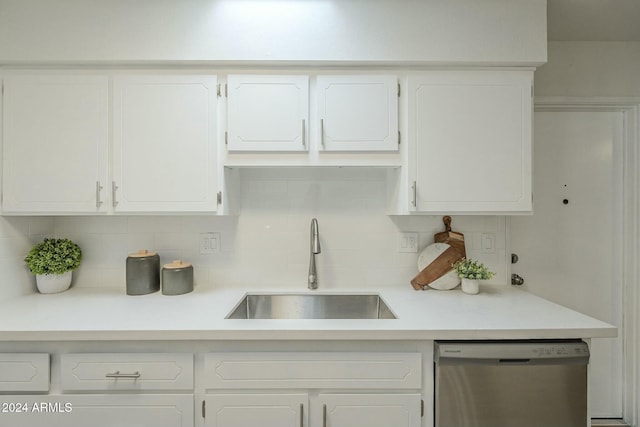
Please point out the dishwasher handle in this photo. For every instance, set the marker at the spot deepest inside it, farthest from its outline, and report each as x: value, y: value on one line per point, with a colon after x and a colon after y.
x: 514, y: 361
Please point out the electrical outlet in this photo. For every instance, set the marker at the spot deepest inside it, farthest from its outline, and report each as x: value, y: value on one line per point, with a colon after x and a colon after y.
x: 210, y: 243
x: 408, y: 242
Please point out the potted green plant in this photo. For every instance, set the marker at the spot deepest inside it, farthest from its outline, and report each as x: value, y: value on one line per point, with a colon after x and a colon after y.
x: 52, y: 261
x: 471, y: 272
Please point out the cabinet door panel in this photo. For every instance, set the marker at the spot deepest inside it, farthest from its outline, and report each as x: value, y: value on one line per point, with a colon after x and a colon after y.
x: 21, y: 372
x: 264, y: 410
x: 470, y: 141
x: 165, y: 143
x: 127, y: 371
x: 267, y: 113
x: 358, y: 113
x: 55, y: 140
x: 124, y: 410
x: 371, y: 410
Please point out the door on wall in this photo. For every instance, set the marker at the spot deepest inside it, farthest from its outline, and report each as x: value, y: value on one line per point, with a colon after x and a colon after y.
x: 570, y: 250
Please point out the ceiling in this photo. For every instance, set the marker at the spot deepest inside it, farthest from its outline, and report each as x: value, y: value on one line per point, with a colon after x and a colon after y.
x: 593, y: 20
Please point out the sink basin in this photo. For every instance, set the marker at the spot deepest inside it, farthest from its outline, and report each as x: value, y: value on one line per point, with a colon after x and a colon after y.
x: 311, y: 306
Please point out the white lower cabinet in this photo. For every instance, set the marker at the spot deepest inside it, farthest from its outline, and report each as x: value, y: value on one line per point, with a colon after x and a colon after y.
x: 312, y: 389
x: 324, y: 410
x: 194, y: 387
x: 371, y: 410
x: 264, y: 410
x: 125, y: 382
x: 121, y: 410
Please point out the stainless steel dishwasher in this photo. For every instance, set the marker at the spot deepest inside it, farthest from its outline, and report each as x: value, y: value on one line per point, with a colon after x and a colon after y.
x: 511, y: 384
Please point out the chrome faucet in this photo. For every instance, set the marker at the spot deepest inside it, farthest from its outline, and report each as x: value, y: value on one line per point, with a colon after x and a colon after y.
x: 315, y: 249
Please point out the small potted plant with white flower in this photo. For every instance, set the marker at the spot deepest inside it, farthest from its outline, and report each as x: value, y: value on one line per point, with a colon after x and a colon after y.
x: 471, y: 272
x: 52, y: 261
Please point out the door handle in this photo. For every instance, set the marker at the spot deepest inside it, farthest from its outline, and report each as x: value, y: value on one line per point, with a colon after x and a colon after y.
x: 98, y: 188
x: 304, y: 133
x: 414, y: 188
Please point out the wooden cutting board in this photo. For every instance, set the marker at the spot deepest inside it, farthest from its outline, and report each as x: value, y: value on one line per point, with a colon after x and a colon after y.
x: 442, y: 264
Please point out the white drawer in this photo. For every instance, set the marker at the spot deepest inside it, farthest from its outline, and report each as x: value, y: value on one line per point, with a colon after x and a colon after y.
x: 127, y: 371
x: 313, y: 370
x: 24, y: 372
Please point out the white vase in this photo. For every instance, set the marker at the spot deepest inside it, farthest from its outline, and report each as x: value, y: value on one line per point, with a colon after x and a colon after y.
x: 53, y: 283
x: 470, y: 286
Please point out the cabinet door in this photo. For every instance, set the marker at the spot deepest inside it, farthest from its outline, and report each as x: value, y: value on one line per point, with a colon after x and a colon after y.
x: 122, y: 410
x: 55, y: 138
x: 264, y: 410
x: 164, y: 143
x: 358, y: 113
x: 24, y: 372
x: 371, y: 410
x: 470, y: 141
x: 267, y: 113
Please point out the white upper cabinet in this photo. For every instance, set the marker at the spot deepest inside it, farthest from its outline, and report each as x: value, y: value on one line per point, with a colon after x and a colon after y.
x: 358, y: 112
x: 470, y: 142
x: 164, y: 143
x: 55, y: 143
x: 267, y: 112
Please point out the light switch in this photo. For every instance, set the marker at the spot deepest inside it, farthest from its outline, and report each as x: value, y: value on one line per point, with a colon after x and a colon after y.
x: 488, y: 243
x: 408, y: 242
x: 210, y: 243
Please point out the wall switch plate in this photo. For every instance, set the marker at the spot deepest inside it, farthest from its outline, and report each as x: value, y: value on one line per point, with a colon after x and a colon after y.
x: 408, y: 242
x: 488, y: 243
x: 210, y: 243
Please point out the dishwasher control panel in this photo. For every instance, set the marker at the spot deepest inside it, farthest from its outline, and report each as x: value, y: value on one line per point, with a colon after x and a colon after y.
x: 511, y: 350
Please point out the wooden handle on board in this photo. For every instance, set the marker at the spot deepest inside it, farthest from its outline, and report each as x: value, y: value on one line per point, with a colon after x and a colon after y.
x: 447, y: 222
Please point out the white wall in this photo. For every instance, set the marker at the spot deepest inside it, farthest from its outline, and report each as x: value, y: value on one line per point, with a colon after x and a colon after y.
x: 412, y: 31
x: 268, y: 243
x: 590, y: 69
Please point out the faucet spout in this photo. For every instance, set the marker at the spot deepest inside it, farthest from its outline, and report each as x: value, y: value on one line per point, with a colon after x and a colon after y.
x: 314, y: 250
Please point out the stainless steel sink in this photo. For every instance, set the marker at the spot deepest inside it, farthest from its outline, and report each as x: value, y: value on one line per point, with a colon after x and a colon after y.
x: 311, y: 306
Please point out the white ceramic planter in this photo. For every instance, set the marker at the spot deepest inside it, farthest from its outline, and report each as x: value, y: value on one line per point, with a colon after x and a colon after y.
x: 470, y: 286
x: 53, y: 283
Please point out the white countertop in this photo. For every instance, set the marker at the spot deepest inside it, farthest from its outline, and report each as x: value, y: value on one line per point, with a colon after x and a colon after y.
x: 497, y: 312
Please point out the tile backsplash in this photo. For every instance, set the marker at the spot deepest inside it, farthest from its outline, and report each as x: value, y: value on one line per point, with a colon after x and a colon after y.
x: 267, y: 243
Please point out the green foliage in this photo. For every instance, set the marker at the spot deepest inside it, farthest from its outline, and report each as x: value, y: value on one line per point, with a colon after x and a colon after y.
x: 470, y: 269
x: 54, y: 256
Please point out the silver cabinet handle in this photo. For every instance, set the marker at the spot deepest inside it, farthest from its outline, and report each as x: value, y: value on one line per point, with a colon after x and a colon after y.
x: 117, y: 374
x: 415, y: 191
x: 324, y: 415
x: 301, y: 415
x: 304, y: 133
x: 98, y: 188
x: 322, y: 132
x: 114, y: 188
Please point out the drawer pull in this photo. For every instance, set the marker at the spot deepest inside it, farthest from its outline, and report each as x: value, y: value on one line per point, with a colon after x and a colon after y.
x: 117, y: 374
